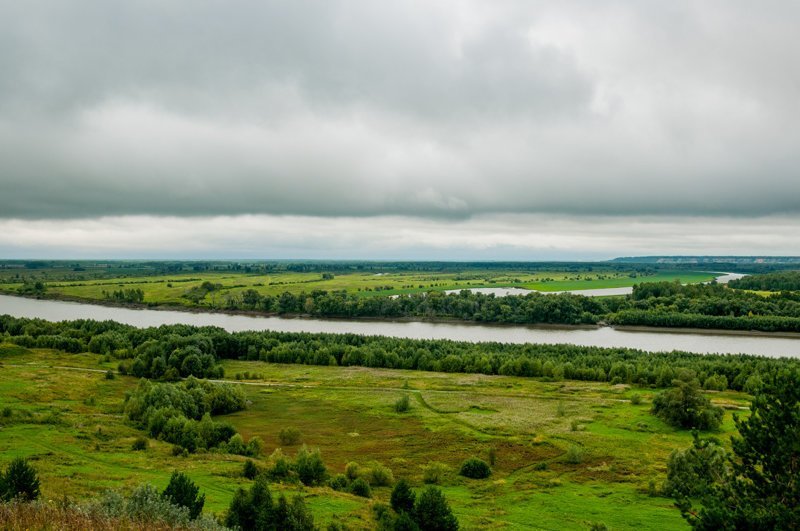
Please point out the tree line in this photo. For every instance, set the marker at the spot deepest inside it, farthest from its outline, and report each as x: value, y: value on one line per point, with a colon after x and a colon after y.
x: 163, y: 347
x: 780, y: 281
x: 666, y: 304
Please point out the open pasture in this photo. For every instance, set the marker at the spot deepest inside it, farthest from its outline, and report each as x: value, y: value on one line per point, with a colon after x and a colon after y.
x: 566, y: 454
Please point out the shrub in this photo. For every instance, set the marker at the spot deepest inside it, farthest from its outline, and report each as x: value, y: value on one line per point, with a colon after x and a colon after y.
x: 281, y: 469
x: 249, y: 469
x: 183, y: 492
x: 574, y: 455
x: 351, y: 470
x: 380, y: 476
x: 359, y: 487
x: 289, y: 436
x: 433, y: 512
x: 255, y: 509
x: 403, y: 404
x: 339, y: 482
x: 110, y: 375
x: 475, y: 468
x: 434, y: 473
x: 403, y: 498
x: 6, y: 412
x: 139, y: 444
x: 19, y: 481
x: 636, y: 399
x: 145, y: 504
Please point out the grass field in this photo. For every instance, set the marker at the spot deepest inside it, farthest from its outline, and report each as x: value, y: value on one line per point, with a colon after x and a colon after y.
x: 170, y: 289
x: 66, y: 417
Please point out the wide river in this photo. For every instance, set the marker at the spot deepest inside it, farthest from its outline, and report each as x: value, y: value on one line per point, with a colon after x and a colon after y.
x: 654, y: 341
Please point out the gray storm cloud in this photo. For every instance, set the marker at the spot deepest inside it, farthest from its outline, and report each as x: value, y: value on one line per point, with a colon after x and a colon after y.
x: 435, y: 109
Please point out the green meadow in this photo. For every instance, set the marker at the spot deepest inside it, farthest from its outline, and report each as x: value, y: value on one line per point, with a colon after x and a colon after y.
x: 566, y: 454
x: 170, y: 289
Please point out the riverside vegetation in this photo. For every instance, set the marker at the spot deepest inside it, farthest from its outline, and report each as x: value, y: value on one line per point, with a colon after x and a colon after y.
x: 566, y: 437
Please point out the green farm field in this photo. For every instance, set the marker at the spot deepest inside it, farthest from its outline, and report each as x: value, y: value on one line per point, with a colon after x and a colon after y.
x: 172, y: 289
x: 61, y: 412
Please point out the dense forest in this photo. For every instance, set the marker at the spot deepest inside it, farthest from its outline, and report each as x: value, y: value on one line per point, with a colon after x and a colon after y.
x: 162, y: 353
x: 780, y: 281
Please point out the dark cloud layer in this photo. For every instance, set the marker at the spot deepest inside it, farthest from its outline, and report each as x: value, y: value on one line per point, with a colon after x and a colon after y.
x: 444, y: 109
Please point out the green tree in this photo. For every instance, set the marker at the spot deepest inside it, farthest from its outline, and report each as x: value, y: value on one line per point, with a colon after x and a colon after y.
x: 183, y: 492
x: 403, y: 498
x: 359, y: 487
x: 433, y: 513
x: 685, y: 406
x: 404, y: 522
x: 249, y: 469
x: 763, y: 490
x: 693, y: 471
x: 19, y: 481
x: 309, y: 466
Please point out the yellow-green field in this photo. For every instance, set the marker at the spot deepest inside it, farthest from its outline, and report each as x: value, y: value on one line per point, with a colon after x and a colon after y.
x: 170, y: 289
x: 66, y: 417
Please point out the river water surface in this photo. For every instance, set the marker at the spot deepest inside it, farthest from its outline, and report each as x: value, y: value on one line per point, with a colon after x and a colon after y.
x: 654, y: 341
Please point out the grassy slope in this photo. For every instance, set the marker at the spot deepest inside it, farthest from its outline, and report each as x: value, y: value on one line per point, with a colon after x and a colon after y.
x: 169, y: 289
x: 348, y: 413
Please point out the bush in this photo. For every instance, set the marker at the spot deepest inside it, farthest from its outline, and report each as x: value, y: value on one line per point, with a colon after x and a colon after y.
x: 351, y: 470
x: 475, y: 468
x: 182, y: 491
x: 359, y: 487
x: 281, y: 469
x: 434, y: 473
x: 139, y: 444
x: 403, y: 498
x: 339, y: 482
x: 110, y: 375
x: 380, y: 476
x: 574, y: 455
x: 684, y: 406
x: 403, y: 404
x: 636, y: 399
x: 145, y: 504
x: 289, y: 436
x: 19, y: 481
x: 249, y: 469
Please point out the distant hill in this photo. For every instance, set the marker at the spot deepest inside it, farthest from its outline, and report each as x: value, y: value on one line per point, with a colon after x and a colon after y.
x: 741, y: 260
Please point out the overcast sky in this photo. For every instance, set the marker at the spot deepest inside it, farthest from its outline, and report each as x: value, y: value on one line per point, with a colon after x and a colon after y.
x: 429, y: 129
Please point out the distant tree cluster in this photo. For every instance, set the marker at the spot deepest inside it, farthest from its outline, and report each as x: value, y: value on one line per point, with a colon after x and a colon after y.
x: 181, y: 414
x: 133, y: 295
x: 428, y: 511
x: 780, y: 281
x: 685, y: 406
